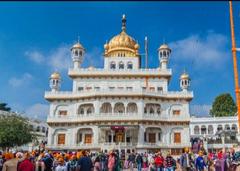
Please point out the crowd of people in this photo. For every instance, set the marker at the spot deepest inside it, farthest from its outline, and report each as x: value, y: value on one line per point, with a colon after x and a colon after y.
x: 113, y: 161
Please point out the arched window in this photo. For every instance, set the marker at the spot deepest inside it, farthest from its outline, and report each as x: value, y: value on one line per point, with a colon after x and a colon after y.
x: 196, y: 130
x: 210, y: 129
x: 113, y: 65
x: 121, y: 65
x: 151, y: 111
x: 132, y: 108
x: 203, y: 130
x: 119, y: 108
x: 219, y: 128
x: 76, y: 53
x: 227, y: 127
x: 81, y: 111
x: 89, y: 110
x: 158, y: 110
x: 129, y: 65
x: 160, y: 54
x: 106, y: 108
x: 43, y: 129
x: 38, y: 128
x: 164, y: 53
x: 80, y: 53
x: 145, y: 109
x: 234, y: 127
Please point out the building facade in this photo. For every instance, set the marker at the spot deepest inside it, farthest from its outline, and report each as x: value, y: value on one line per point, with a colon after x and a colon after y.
x: 122, y: 106
x: 217, y: 132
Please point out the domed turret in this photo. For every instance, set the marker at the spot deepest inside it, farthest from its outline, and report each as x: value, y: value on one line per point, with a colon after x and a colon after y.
x: 163, y: 54
x: 77, y: 54
x: 55, y: 80
x: 184, y: 81
x: 122, y: 45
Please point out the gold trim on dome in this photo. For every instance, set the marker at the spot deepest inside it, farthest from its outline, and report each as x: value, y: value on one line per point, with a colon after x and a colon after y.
x: 55, y: 75
x: 122, y: 45
x: 184, y: 76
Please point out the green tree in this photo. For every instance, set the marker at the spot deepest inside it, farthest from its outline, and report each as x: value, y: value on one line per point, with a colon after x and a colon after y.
x: 3, y: 106
x: 14, y: 131
x: 223, y: 105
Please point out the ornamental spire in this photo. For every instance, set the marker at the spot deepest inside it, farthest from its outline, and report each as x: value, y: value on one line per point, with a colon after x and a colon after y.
x: 124, y: 23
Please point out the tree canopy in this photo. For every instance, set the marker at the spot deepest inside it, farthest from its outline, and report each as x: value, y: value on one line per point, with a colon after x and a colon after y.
x: 14, y: 131
x: 223, y: 105
x: 3, y: 106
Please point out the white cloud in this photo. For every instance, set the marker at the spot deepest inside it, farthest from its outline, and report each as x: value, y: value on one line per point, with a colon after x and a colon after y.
x: 202, y: 51
x: 60, y: 58
x: 35, y: 56
x: 23, y: 80
x: 37, y: 111
x: 200, y: 110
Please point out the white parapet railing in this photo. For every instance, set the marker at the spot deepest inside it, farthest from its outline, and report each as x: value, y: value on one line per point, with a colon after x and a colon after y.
x: 114, y: 116
x: 116, y: 92
x: 119, y: 72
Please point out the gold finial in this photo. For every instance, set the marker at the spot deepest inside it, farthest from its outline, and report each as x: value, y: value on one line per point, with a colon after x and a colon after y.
x: 124, y: 23
x: 184, y: 75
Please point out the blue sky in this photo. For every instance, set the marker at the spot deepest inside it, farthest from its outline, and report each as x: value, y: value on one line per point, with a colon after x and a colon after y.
x: 35, y: 40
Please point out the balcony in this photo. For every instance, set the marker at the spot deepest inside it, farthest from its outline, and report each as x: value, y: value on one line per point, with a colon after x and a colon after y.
x: 113, y: 117
x: 152, y: 72
x: 49, y: 95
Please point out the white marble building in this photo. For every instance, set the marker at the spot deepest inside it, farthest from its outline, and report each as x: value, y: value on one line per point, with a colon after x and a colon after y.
x: 218, y: 132
x: 122, y: 106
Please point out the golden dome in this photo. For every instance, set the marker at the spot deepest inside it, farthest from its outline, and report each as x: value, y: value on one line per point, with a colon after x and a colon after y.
x: 106, y: 46
x: 55, y: 75
x: 184, y: 76
x: 122, y: 44
x: 77, y: 46
x: 164, y: 46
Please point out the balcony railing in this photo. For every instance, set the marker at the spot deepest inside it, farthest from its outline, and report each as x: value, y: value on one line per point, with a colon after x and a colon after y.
x: 117, y: 92
x: 113, y: 116
x: 122, y: 72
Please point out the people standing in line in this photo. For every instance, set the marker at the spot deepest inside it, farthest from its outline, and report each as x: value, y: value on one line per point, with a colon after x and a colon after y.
x: 11, y: 163
x: 186, y: 160
x: 151, y: 162
x: 145, y: 161
x: 170, y: 163
x: 111, y: 161
x: 26, y: 164
x: 131, y: 160
x: 97, y: 164
x: 72, y: 165
x: 61, y: 165
x: 200, y: 163
x: 139, y: 161
x: 159, y: 162
x: 85, y: 163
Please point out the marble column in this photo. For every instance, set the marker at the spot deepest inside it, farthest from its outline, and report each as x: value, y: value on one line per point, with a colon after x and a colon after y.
x: 95, y: 134
x: 141, y: 131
